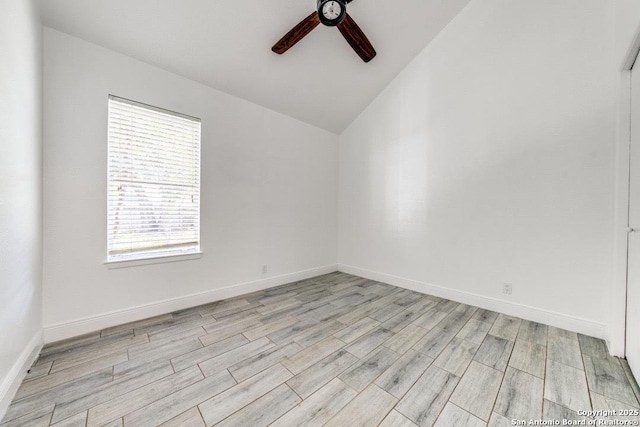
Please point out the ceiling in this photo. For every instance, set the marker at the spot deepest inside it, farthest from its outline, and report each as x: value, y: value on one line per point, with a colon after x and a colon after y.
x: 227, y: 45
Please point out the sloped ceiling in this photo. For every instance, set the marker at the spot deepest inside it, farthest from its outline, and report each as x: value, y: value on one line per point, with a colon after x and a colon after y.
x: 227, y: 45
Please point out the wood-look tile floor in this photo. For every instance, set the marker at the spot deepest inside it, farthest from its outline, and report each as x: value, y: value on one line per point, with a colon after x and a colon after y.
x: 334, y: 350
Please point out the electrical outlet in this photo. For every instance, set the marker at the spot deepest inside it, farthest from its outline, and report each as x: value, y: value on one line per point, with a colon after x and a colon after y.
x: 507, y: 288
x: 265, y: 269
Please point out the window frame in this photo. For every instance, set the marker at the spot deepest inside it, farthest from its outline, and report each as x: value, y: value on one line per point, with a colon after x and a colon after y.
x: 153, y: 256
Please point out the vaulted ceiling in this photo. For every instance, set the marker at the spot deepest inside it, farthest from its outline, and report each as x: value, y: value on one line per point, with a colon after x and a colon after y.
x: 227, y: 45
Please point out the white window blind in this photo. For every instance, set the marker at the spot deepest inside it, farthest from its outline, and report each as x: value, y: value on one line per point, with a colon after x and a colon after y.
x: 153, y: 195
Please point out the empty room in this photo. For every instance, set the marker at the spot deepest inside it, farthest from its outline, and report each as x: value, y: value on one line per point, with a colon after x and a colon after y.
x: 319, y: 212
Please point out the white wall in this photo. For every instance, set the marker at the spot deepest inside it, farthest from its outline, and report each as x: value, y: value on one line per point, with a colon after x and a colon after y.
x: 20, y: 192
x: 490, y: 160
x: 269, y: 193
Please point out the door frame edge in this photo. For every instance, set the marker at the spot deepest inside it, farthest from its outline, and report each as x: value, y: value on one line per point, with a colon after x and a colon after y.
x: 617, y: 324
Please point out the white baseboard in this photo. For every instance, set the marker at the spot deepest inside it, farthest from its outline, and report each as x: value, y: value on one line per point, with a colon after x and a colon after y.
x: 85, y: 325
x: 547, y: 317
x: 12, y: 381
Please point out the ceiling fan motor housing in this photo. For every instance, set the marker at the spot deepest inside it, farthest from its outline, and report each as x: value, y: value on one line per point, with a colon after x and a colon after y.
x: 332, y: 12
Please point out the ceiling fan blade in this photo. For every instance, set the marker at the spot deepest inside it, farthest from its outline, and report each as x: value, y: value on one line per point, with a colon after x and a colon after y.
x: 356, y: 38
x: 296, y: 34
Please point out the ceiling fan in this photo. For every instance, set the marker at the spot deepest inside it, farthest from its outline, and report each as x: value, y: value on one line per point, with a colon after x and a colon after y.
x: 332, y: 13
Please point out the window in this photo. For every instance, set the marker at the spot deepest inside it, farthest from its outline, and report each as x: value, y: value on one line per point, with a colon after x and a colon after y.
x: 153, y: 194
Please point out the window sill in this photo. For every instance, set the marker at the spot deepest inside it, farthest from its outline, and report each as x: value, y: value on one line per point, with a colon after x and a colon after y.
x: 155, y: 260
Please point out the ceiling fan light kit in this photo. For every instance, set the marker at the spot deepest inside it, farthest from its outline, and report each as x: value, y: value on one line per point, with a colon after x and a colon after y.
x: 331, y: 13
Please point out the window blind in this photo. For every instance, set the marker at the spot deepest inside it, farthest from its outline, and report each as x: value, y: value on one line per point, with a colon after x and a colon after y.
x: 153, y: 194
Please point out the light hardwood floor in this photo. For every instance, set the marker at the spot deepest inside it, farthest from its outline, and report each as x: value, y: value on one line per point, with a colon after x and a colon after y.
x: 334, y: 350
